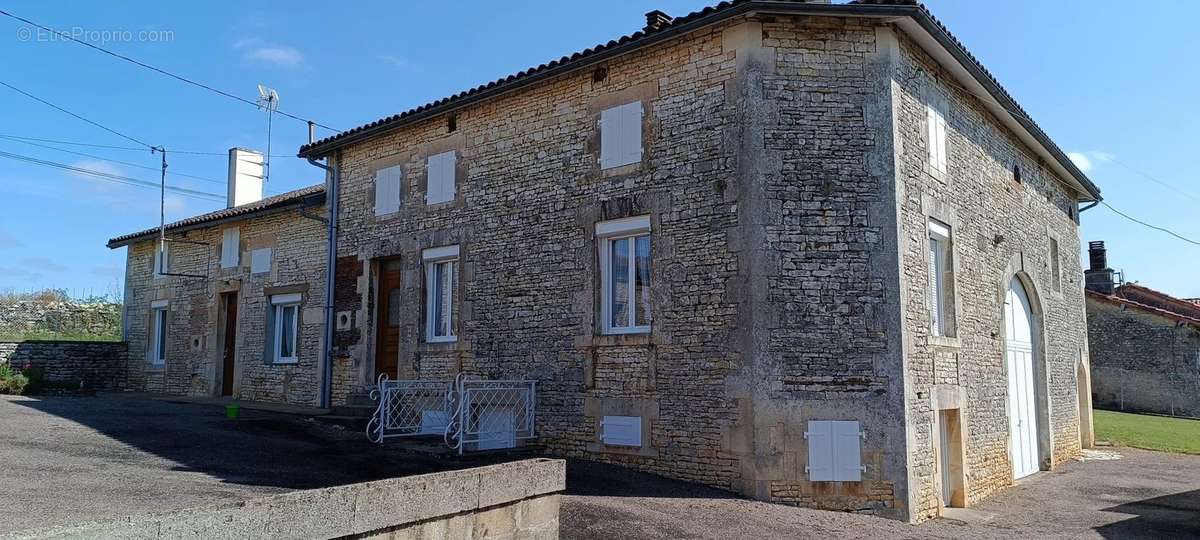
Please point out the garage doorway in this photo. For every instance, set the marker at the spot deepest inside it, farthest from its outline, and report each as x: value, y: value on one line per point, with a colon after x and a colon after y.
x: 1021, y: 360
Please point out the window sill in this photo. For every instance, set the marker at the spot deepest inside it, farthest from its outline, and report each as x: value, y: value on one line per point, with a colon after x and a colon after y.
x: 945, y: 341
x: 620, y: 340
x: 285, y: 362
x: 441, y: 341
x: 936, y: 174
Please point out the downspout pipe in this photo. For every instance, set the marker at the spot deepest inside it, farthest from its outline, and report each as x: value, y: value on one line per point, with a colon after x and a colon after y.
x: 331, y: 198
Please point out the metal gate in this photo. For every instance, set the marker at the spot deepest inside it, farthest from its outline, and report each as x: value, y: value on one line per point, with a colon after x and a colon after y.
x: 470, y: 414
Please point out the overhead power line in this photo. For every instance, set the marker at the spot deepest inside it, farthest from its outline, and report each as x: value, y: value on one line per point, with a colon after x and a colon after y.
x: 117, y: 161
x: 97, y: 124
x: 134, y: 148
x: 1155, y: 227
x: 120, y: 179
x: 181, y: 78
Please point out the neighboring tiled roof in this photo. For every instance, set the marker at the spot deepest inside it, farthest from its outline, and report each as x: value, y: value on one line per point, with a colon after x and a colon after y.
x: 688, y: 23
x: 1144, y: 307
x: 1158, y: 299
x: 308, y: 196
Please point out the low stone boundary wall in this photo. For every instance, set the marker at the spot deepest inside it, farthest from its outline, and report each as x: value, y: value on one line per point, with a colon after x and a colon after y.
x: 509, y: 500
x: 99, y: 365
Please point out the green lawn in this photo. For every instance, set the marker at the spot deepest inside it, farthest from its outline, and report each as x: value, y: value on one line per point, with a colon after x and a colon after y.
x: 1150, y: 432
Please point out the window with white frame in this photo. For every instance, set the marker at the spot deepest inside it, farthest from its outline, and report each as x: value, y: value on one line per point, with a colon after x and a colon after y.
x: 1055, y: 266
x: 162, y: 258
x: 441, y: 271
x: 624, y: 246
x: 158, y: 327
x: 935, y: 114
x: 387, y: 190
x: 621, y: 135
x: 941, y: 279
x: 285, y: 318
x: 230, y: 244
x: 439, y: 187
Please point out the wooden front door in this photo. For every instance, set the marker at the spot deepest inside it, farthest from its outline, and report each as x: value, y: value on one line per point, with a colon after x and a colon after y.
x: 387, y: 321
x: 228, y: 357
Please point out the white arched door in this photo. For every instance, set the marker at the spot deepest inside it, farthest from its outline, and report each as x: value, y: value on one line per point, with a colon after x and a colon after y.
x: 1022, y: 403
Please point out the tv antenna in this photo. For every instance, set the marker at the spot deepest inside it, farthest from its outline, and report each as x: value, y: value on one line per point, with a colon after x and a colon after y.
x: 268, y: 100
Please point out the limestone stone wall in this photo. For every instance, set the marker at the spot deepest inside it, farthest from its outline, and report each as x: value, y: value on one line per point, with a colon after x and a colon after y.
x: 1142, y: 361
x: 195, y: 305
x: 1001, y: 228
x: 509, y: 500
x: 98, y: 365
x: 22, y: 317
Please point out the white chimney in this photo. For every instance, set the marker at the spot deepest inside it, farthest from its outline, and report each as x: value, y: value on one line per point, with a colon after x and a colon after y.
x: 245, y: 177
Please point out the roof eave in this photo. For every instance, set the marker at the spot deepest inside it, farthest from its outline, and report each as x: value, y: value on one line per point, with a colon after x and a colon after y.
x: 308, y: 201
x: 925, y: 26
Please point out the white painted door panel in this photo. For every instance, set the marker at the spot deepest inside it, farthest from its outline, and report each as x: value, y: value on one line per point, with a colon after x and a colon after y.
x: 1022, y: 402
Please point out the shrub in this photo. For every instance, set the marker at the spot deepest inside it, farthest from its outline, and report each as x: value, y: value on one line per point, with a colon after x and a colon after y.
x: 12, y: 381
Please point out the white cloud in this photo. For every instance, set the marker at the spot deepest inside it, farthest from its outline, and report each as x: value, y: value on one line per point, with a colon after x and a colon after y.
x: 1080, y: 160
x: 1086, y: 161
x: 399, y: 63
x: 279, y: 55
x: 98, y: 183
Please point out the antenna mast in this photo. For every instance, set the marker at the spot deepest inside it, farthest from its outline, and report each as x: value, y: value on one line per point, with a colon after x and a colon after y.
x: 268, y: 100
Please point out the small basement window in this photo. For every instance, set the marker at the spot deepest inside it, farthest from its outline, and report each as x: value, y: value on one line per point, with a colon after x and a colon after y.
x: 834, y: 451
x: 621, y: 135
x: 621, y: 430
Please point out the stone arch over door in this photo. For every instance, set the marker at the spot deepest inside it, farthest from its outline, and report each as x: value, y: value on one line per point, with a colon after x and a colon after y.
x: 1016, y: 274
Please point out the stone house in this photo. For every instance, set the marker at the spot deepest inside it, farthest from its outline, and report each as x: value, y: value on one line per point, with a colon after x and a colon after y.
x: 812, y: 253
x: 1145, y: 345
x: 235, y: 308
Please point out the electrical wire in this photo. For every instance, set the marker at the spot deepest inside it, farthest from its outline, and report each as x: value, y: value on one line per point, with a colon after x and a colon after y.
x: 1144, y: 224
x: 181, y: 78
x: 112, y: 147
x: 117, y: 178
x: 97, y: 124
x: 117, y: 161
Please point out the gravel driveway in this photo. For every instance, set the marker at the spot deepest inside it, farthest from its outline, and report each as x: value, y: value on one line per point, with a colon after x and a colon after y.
x: 1142, y: 495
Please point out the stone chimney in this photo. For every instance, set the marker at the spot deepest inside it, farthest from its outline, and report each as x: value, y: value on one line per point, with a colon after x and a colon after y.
x: 1098, y: 277
x: 245, y: 177
x: 656, y: 20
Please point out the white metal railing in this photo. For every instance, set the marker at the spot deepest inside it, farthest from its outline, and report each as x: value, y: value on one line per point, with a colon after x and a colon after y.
x: 470, y: 414
x: 490, y: 414
x: 407, y: 408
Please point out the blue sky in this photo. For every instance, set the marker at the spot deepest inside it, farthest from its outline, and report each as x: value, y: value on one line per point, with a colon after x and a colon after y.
x: 1107, y: 80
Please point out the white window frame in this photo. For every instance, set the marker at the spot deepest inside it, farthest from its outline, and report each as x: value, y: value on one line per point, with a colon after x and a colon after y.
x: 389, y: 183
x: 941, y: 268
x: 280, y: 303
x: 433, y: 258
x: 936, y: 110
x: 231, y: 239
x: 440, y: 172
x: 621, y: 135
x: 159, y: 317
x: 608, y: 232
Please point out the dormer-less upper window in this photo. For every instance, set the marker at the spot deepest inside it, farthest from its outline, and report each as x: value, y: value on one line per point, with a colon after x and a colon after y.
x: 935, y: 124
x: 440, y: 185
x: 621, y: 135
x: 387, y: 190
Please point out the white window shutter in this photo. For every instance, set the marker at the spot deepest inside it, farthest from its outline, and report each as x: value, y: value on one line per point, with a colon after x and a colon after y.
x: 387, y: 190
x: 621, y: 430
x: 631, y: 133
x: 847, y: 451
x: 820, y: 451
x: 260, y: 261
x: 610, y: 129
x: 440, y: 178
x: 941, y: 139
x: 230, y: 254
x: 931, y: 133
